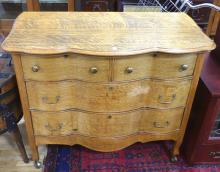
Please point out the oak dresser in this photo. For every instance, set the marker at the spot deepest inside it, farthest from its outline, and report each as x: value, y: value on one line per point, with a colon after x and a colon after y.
x: 106, y: 80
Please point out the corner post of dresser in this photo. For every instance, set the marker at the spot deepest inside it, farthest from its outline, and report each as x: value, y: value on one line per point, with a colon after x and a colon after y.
x: 191, y: 95
x: 25, y: 104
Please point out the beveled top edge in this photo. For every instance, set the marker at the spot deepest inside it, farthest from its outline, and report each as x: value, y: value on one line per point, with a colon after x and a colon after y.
x: 208, y: 45
x: 107, y: 54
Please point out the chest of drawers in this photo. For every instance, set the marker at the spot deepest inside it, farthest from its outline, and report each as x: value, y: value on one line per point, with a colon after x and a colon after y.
x: 106, y: 80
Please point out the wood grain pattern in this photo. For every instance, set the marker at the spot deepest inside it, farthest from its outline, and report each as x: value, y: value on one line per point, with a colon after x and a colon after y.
x: 104, y: 144
x: 112, y: 108
x: 106, y: 125
x: 156, y: 65
x: 77, y: 67
x: 107, y: 34
x: 62, y: 67
x: 25, y: 105
x: 53, y: 123
x: 56, y: 96
x: 198, y: 68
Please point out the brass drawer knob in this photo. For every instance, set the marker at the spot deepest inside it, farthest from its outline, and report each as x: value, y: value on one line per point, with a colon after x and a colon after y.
x: 93, y: 70
x: 35, y: 68
x: 183, y: 67
x: 129, y: 69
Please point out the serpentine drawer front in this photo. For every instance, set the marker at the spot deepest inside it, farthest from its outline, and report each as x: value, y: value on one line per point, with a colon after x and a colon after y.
x: 97, y: 69
x: 106, y: 80
x: 94, y: 125
x: 56, y: 96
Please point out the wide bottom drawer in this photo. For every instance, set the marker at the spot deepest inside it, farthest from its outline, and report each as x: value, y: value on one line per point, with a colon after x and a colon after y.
x: 106, y: 125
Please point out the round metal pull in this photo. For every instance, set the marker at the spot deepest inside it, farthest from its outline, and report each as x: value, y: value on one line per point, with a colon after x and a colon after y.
x: 35, y: 68
x: 93, y: 70
x: 183, y: 67
x: 129, y: 69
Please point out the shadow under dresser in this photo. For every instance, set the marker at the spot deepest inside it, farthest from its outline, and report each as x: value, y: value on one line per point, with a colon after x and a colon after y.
x: 106, y: 80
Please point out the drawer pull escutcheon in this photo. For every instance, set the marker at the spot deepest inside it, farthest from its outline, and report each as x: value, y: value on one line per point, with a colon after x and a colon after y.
x: 47, y: 101
x: 51, y: 129
x: 129, y: 69
x: 183, y: 67
x: 215, y: 155
x: 159, y: 125
x: 173, y: 97
x: 35, y: 68
x: 93, y: 70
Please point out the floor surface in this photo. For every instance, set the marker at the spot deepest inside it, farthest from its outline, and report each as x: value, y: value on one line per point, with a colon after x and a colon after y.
x: 10, y: 159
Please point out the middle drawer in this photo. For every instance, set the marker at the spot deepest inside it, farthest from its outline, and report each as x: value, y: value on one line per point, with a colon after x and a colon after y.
x: 56, y: 96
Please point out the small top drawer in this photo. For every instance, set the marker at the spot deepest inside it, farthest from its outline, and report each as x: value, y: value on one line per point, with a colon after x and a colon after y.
x: 154, y: 65
x: 104, y: 69
x: 65, y: 67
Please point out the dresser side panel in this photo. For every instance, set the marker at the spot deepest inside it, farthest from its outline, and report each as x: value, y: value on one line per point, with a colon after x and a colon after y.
x: 25, y: 105
x: 196, y: 75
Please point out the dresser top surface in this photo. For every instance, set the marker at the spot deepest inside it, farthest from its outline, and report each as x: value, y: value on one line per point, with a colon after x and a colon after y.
x: 106, y: 33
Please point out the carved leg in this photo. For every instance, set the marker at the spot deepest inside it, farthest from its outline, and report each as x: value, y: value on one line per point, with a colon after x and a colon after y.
x: 16, y: 135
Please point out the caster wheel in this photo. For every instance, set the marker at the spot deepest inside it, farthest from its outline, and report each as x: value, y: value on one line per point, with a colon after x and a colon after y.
x: 37, y: 164
x: 173, y: 159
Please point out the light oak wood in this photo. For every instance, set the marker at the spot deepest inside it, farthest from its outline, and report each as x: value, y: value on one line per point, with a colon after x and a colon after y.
x: 25, y: 105
x: 104, y: 144
x: 53, y: 123
x: 106, y: 125
x: 108, y: 34
x: 56, y: 96
x: 198, y: 68
x: 78, y: 67
x: 155, y: 65
x: 121, y: 82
